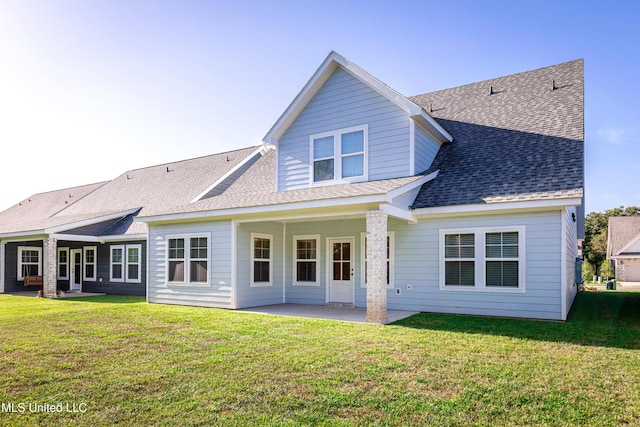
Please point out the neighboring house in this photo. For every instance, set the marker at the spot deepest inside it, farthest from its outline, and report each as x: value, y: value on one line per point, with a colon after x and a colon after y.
x: 623, y: 247
x: 87, y: 235
x: 467, y: 200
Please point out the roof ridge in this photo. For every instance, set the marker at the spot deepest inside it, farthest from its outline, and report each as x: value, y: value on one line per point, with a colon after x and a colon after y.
x: 191, y: 159
x: 495, y: 78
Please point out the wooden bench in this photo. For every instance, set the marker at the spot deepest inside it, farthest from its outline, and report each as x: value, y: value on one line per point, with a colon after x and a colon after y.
x: 33, y: 280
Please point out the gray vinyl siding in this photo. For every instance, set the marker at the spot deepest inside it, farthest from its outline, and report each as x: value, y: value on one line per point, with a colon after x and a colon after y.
x: 571, y: 247
x: 218, y: 293
x: 252, y: 296
x: 417, y: 264
x: 426, y: 149
x: 317, y: 295
x: 10, y: 267
x: 102, y: 284
x: 343, y: 102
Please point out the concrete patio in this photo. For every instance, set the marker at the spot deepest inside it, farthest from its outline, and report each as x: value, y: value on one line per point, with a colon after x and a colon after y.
x: 357, y: 315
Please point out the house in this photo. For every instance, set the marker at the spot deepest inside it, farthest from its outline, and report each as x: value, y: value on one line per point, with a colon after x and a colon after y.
x: 623, y: 247
x: 466, y: 200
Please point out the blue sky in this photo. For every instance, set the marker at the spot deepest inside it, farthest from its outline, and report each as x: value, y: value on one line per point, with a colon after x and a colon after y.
x: 89, y: 90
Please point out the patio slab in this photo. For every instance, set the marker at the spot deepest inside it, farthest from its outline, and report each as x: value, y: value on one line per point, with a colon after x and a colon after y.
x: 357, y: 315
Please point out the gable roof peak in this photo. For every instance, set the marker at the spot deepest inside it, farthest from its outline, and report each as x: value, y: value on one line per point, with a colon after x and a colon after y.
x: 317, y: 80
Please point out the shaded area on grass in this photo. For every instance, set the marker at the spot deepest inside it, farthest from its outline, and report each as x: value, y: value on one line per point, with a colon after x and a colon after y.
x: 608, y: 319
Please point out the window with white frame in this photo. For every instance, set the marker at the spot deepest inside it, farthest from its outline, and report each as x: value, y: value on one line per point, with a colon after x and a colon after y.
x: 305, y: 260
x: 501, y: 258
x: 90, y: 262
x: 125, y: 263
x: 134, y: 265
x: 339, y: 155
x: 261, y: 259
x: 187, y: 259
x: 29, y: 261
x: 198, y: 259
x: 117, y: 264
x: 459, y: 259
x: 490, y: 259
x: 390, y: 259
x: 63, y: 263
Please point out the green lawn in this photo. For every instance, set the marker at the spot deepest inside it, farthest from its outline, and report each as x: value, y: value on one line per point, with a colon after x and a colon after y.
x: 124, y: 362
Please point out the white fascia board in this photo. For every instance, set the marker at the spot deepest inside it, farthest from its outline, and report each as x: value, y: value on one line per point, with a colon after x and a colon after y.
x: 397, y: 212
x: 99, y: 239
x: 431, y: 126
x: 23, y: 235
x: 493, y: 207
x: 95, y: 220
x: 408, y: 187
x: 261, y: 150
x: 76, y: 238
x: 123, y: 237
x: 313, y: 204
x: 321, y: 75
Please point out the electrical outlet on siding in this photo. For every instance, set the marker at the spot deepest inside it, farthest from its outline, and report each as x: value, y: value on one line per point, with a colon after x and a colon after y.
x: 409, y: 287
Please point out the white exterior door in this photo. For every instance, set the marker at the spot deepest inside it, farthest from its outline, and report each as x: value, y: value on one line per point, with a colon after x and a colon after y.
x: 75, y: 278
x: 340, y: 268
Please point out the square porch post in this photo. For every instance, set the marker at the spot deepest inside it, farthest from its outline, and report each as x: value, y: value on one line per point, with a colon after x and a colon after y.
x: 376, y: 266
x: 50, y: 273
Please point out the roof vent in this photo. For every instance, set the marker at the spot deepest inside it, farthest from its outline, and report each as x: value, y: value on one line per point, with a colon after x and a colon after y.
x: 553, y: 85
x: 491, y: 92
x: 431, y: 108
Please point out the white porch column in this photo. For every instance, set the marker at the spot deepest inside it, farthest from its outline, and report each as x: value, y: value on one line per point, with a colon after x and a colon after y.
x: 376, y: 267
x: 50, y: 282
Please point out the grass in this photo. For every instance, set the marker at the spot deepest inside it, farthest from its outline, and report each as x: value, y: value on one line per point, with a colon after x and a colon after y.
x: 124, y: 362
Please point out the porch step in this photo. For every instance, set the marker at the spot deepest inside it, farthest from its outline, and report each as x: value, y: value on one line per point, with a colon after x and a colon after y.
x: 339, y: 304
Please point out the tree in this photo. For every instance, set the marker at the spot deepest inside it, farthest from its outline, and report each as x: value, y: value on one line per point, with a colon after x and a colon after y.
x: 606, y: 269
x: 596, y: 224
x: 587, y: 272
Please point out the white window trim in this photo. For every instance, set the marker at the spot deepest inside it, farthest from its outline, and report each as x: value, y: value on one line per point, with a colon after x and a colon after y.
x: 315, y: 237
x: 187, y: 260
x: 139, y: 263
x: 337, y: 156
x: 29, y: 248
x: 271, y: 250
x: 480, y: 259
x: 86, y: 263
x: 111, y: 263
x: 61, y: 250
x: 392, y: 243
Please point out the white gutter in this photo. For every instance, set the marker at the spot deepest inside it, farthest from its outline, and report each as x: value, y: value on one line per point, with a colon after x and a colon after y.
x: 488, y: 207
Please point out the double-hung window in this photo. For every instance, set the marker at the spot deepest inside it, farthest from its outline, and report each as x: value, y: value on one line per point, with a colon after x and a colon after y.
x: 459, y: 259
x: 90, y: 261
x: 117, y: 264
x: 63, y: 263
x: 489, y: 259
x: 339, y: 155
x: 188, y: 259
x: 306, y: 250
x: 29, y: 261
x: 261, y: 259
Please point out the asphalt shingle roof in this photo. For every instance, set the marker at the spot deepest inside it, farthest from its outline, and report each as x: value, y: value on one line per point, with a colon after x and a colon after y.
x: 515, y: 138
x: 256, y: 187
x: 151, y: 188
x: 622, y: 230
